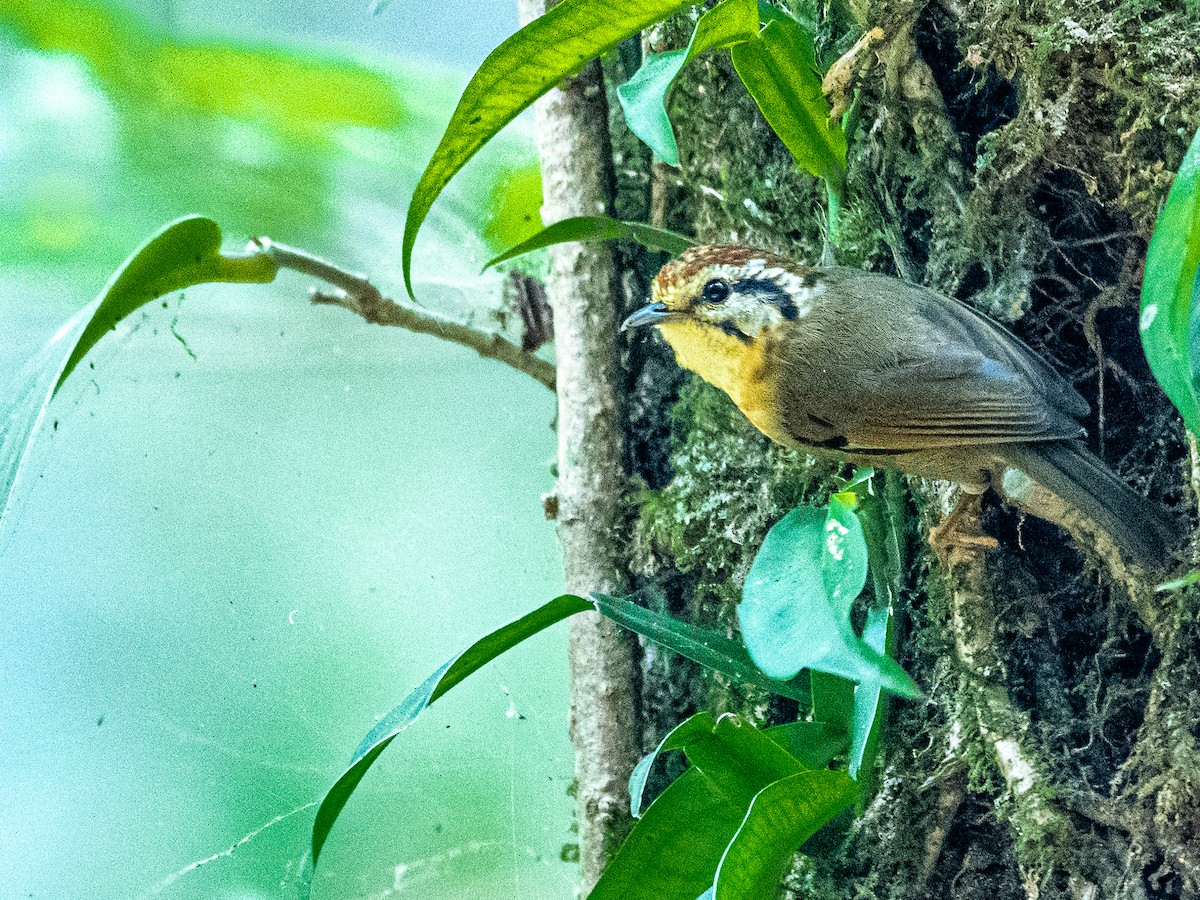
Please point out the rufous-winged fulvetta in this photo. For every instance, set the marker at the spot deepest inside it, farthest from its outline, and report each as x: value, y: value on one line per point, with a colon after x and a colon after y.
x: 890, y: 374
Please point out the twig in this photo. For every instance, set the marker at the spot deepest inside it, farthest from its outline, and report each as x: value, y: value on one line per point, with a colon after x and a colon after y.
x: 357, y: 294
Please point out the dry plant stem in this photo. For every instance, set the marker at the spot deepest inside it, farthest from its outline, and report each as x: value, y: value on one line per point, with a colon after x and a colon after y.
x: 362, y: 298
x: 951, y: 791
x: 1137, y: 584
x: 576, y: 161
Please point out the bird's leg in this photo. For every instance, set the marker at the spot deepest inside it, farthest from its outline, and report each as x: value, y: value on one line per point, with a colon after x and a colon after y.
x: 961, y: 531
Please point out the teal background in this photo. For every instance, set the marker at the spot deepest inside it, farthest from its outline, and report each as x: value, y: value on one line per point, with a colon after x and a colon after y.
x: 255, y: 524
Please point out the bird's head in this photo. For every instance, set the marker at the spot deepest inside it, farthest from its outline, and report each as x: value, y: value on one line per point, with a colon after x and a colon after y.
x: 715, y: 304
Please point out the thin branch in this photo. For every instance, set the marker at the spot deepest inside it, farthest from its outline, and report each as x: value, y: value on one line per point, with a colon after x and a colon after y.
x: 357, y: 294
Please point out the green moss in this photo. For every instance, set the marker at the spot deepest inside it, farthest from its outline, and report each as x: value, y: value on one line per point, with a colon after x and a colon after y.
x: 729, y: 486
x: 999, y: 141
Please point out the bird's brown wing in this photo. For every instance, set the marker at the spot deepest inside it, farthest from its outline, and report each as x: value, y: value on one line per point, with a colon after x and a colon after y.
x: 923, y: 371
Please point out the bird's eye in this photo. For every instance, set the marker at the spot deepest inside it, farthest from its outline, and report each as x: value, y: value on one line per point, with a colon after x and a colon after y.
x: 716, y: 291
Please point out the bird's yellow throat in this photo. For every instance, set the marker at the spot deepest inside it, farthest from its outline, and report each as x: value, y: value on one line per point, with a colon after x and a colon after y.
x: 743, y: 369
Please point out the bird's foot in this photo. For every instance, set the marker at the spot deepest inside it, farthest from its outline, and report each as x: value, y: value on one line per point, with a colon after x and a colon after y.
x: 960, y: 535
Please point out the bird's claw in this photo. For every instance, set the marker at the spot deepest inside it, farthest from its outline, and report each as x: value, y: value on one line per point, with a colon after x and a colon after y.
x: 960, y: 535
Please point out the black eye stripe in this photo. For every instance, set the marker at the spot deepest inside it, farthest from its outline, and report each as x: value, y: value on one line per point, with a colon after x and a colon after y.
x: 715, y: 291
x: 769, y: 292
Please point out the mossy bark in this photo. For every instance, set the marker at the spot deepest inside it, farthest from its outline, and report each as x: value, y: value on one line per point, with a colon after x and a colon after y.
x: 1013, y: 155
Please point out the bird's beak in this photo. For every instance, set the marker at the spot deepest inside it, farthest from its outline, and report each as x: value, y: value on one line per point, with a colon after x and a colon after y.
x: 653, y: 314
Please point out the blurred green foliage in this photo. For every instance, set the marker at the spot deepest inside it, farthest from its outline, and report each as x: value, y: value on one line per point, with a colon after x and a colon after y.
x: 120, y: 126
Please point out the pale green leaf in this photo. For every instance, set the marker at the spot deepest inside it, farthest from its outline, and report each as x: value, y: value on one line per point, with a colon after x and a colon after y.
x: 795, y: 610
x: 643, y: 97
x: 644, y: 101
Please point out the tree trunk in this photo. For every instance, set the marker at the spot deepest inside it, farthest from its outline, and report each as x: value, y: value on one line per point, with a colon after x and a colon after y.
x: 593, y: 526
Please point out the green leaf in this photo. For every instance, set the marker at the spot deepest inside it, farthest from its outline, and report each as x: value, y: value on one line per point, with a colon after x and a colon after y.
x: 780, y: 71
x: 1177, y: 583
x: 844, y: 566
x: 868, y: 710
x: 783, y: 816
x: 676, y: 739
x: 832, y: 698
x: 597, y: 228
x: 644, y: 96
x: 523, y: 68
x: 454, y: 671
x: 740, y: 759
x: 644, y: 101
x: 814, y: 744
x: 705, y: 646
x: 184, y: 253
x: 880, y: 511
x: 673, y: 851
x: 1169, y: 291
x: 795, y: 609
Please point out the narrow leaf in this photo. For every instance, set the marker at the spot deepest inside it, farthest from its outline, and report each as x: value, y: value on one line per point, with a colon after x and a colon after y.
x: 779, y: 69
x: 523, y: 68
x: 644, y: 96
x: 1176, y: 583
x: 596, y: 228
x: 880, y: 511
x: 705, y: 646
x: 184, y: 253
x: 783, y: 816
x: 677, y: 738
x: 868, y: 709
x: 795, y: 610
x: 454, y: 671
x: 1168, y: 291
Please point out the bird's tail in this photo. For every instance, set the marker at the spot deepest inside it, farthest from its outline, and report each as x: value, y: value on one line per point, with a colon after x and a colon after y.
x: 1143, y: 531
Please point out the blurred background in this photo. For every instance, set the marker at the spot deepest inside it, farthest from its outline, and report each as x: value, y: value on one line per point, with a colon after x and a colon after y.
x: 253, y: 525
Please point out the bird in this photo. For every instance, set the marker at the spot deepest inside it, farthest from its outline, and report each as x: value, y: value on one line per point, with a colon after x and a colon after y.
x: 890, y: 374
